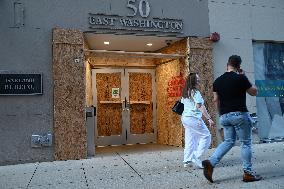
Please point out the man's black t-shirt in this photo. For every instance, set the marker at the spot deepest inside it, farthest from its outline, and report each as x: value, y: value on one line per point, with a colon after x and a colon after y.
x: 231, y: 89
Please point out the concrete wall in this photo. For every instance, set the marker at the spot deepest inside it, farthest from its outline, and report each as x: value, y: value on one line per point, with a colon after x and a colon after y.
x: 27, y: 47
x: 239, y: 22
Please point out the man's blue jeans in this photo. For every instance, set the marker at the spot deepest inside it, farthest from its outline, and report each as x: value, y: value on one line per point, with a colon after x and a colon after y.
x: 235, y: 124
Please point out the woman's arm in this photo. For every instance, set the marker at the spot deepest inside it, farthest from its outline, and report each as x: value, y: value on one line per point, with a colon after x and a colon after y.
x: 204, y: 111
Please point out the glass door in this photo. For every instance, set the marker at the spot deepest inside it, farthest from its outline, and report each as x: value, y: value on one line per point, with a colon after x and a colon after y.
x: 141, y: 104
x: 109, y: 96
x: 126, y: 106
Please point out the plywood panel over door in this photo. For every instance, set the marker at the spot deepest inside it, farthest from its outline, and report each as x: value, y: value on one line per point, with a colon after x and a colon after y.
x: 109, y: 109
x: 128, y: 117
x: 140, y: 96
x: 142, y: 106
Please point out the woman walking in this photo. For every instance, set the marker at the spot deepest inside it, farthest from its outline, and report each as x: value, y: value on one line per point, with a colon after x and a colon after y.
x: 197, y: 135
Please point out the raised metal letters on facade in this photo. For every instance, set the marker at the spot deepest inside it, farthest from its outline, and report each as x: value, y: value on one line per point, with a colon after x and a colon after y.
x: 116, y: 22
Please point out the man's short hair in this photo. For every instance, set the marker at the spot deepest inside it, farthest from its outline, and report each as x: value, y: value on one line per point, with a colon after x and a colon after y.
x: 235, y: 61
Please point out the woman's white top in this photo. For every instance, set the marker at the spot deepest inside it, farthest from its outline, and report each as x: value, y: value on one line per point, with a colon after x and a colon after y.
x: 190, y: 109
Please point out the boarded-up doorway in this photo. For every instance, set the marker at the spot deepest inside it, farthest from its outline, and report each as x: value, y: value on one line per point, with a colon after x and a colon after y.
x: 125, y: 101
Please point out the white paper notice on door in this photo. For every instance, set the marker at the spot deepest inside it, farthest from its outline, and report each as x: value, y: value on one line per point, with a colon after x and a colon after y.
x: 115, y: 92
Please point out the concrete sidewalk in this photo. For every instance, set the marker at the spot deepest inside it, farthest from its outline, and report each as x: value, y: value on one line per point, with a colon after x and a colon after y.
x: 145, y: 166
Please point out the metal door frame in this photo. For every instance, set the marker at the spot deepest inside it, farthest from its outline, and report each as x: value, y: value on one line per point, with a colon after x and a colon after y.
x: 147, y: 137
x: 125, y: 137
x: 114, y: 139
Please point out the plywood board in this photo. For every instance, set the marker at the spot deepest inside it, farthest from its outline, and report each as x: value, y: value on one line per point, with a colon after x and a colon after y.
x: 69, y: 95
x: 109, y: 115
x: 201, y: 62
x: 89, y: 91
x: 141, y: 114
x: 199, y: 59
x: 170, y: 130
x: 120, y: 62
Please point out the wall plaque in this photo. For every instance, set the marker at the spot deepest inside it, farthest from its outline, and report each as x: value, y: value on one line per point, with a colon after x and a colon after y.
x: 20, y: 84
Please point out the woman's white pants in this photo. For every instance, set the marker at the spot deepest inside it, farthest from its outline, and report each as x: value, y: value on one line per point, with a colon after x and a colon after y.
x: 197, y: 138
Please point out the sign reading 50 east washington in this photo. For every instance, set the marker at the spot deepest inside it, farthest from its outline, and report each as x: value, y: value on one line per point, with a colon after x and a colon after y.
x: 137, y: 20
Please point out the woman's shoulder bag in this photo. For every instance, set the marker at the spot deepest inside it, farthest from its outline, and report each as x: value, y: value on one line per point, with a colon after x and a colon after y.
x: 178, y: 107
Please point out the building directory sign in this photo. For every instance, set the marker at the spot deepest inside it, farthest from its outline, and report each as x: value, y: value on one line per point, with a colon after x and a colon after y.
x: 20, y: 84
x: 140, y: 10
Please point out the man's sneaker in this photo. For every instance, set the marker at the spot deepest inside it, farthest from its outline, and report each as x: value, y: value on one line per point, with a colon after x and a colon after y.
x: 251, y: 177
x: 187, y: 164
x: 197, y: 162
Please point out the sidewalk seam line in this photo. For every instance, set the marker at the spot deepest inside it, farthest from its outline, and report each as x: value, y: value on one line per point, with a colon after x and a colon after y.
x: 32, y: 176
x: 129, y: 165
x: 86, y: 180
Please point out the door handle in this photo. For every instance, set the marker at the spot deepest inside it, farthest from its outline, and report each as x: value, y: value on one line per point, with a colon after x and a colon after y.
x: 126, y: 105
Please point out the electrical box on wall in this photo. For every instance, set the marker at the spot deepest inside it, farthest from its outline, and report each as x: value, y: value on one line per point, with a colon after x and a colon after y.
x: 41, y: 140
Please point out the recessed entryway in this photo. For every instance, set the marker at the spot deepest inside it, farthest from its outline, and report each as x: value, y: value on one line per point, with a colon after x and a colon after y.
x: 73, y: 62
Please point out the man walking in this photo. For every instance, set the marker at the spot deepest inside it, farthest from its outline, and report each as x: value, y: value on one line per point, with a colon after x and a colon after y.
x: 229, y: 92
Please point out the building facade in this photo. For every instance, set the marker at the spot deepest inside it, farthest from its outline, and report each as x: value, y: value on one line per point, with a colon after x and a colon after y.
x: 126, y: 58
x: 252, y: 29
x: 52, y: 48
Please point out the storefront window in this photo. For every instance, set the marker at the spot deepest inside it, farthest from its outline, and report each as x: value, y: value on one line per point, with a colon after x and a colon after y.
x: 269, y: 76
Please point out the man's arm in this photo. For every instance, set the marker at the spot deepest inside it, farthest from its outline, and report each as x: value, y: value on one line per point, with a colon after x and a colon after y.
x: 252, y: 90
x: 216, y: 100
